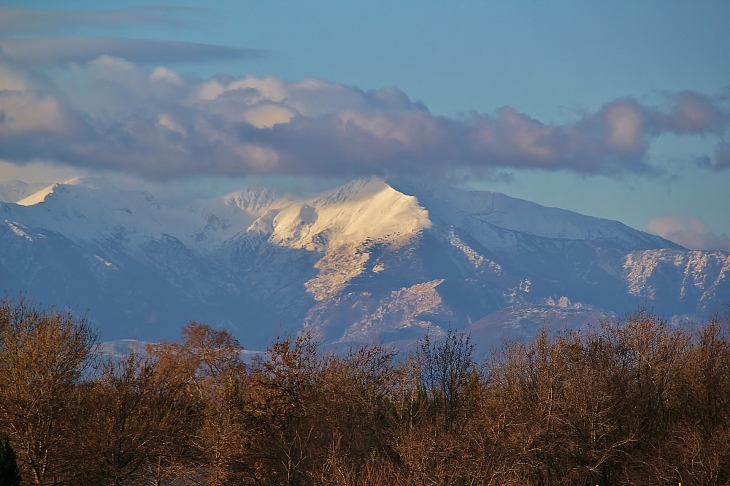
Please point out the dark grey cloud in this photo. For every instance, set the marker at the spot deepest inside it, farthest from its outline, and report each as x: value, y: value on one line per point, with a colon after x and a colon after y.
x: 691, y: 113
x: 722, y: 156
x: 115, y: 115
x: 27, y: 20
x: 721, y: 160
x: 79, y: 49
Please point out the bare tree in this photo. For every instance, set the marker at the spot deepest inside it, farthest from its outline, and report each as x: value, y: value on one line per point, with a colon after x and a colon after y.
x: 43, y: 356
x: 136, y: 419
x: 209, y: 364
x: 447, y: 371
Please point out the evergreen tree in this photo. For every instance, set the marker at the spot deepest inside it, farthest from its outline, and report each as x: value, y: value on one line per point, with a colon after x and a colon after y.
x: 9, y: 475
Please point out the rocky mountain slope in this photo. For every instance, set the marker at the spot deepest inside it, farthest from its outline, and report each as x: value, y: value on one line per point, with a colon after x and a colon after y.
x: 371, y: 260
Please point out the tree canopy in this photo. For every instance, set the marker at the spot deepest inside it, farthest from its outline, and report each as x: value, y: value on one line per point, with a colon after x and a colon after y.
x: 627, y: 401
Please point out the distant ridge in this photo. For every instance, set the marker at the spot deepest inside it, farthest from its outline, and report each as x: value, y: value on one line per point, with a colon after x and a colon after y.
x: 373, y: 259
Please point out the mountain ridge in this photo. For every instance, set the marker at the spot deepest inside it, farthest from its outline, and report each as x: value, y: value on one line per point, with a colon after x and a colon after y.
x: 370, y: 260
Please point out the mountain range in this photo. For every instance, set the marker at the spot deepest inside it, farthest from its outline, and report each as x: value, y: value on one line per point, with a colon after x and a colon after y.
x: 374, y: 260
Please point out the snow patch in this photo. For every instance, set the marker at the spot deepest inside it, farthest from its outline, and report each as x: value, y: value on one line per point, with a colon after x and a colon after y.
x: 404, y: 308
x: 18, y: 230
x: 38, y: 197
x: 106, y: 263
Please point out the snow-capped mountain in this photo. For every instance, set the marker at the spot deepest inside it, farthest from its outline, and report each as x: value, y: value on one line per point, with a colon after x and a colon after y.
x: 371, y: 260
x: 14, y: 191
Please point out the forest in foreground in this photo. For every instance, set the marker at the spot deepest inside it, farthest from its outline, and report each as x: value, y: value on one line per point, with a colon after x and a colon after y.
x: 629, y: 401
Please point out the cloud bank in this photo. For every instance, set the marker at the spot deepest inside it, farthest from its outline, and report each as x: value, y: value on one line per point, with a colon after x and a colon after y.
x: 111, y: 113
x: 61, y: 50
x: 690, y: 232
x: 24, y: 20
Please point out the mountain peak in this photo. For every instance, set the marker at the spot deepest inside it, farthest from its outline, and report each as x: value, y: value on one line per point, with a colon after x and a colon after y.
x: 364, y: 209
x: 42, y: 194
x: 38, y: 197
x: 252, y: 199
x: 13, y: 191
x: 353, y: 190
x: 475, y: 209
x: 387, y: 257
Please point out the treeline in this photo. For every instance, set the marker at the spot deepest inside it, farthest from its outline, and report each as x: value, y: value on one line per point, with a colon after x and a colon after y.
x: 632, y: 401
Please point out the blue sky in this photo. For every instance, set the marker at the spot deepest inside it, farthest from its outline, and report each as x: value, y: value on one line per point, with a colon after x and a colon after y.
x: 614, y: 109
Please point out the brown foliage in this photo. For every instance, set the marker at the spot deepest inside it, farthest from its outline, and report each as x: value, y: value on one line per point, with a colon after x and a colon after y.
x: 208, y: 365
x: 136, y: 423
x: 43, y: 355
x: 626, y: 402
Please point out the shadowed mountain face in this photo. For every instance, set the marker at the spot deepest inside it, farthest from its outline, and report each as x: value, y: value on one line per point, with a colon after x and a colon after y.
x: 368, y: 261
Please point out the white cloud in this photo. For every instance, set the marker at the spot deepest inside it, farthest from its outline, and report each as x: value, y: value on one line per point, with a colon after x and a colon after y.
x: 24, y: 113
x: 111, y: 113
x: 163, y: 74
x: 266, y: 116
x: 625, y: 126
x: 688, y: 231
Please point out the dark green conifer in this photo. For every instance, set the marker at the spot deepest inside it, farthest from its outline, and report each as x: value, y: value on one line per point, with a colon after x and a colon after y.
x: 9, y: 474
